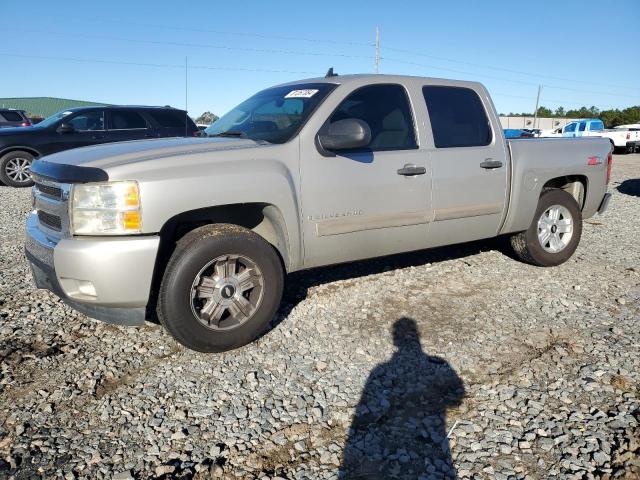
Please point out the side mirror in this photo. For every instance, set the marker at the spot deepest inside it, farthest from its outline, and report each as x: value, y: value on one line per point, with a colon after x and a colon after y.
x: 345, y: 134
x: 66, y: 128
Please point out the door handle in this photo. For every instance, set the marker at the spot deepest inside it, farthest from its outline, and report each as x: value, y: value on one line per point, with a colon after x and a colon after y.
x: 490, y: 163
x: 410, y: 170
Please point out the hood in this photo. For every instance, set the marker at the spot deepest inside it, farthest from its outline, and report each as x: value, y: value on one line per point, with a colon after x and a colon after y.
x: 121, y: 153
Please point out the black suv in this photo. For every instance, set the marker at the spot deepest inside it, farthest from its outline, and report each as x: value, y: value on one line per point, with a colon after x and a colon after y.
x: 13, y: 118
x: 82, y: 126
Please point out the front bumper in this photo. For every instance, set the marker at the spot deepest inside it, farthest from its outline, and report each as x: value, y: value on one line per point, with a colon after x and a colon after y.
x: 107, y: 278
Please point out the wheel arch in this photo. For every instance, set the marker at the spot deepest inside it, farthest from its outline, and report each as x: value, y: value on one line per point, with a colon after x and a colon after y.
x: 523, y: 204
x: 263, y: 218
x: 575, y: 185
x: 19, y: 148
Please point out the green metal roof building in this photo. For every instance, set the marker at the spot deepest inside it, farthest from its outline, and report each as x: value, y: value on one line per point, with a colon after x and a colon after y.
x: 43, y: 106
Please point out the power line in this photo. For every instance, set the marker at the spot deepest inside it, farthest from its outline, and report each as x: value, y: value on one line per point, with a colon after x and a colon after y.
x: 199, y: 45
x: 508, y: 70
x: 227, y: 32
x: 522, y: 82
x: 376, y: 58
x: 159, y: 65
x: 545, y: 100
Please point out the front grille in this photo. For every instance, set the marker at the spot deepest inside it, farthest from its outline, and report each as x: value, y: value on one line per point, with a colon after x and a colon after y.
x: 55, y: 192
x: 52, y: 221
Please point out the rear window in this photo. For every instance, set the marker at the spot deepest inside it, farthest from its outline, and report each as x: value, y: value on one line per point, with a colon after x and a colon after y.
x: 168, y: 119
x: 12, y: 116
x: 126, y: 120
x: 457, y: 116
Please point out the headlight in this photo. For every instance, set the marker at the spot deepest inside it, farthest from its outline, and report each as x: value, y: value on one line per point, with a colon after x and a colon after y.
x: 111, y: 208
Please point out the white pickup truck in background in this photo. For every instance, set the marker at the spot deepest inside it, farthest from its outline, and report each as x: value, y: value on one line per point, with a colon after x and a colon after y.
x: 625, y: 139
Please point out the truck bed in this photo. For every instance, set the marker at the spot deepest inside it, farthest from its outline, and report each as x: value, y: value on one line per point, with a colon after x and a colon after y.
x: 534, y: 162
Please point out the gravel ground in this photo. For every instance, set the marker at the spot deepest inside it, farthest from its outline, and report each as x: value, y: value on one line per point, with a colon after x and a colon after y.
x: 453, y: 362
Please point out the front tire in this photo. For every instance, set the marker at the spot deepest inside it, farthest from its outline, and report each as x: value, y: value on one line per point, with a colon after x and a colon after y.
x: 554, y: 233
x: 15, y: 169
x: 222, y: 286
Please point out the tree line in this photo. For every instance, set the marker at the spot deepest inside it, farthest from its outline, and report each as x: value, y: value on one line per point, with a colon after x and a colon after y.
x: 611, y: 118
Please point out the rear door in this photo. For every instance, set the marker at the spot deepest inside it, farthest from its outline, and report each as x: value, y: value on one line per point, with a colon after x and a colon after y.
x: 127, y: 124
x: 469, y: 164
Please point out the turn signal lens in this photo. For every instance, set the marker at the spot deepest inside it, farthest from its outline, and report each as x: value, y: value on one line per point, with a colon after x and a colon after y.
x: 131, y: 220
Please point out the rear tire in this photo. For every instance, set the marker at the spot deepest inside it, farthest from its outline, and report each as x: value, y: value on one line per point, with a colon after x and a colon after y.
x: 550, y: 241
x: 15, y: 169
x: 222, y: 286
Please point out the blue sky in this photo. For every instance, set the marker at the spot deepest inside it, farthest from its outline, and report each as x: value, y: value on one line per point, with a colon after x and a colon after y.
x: 582, y: 52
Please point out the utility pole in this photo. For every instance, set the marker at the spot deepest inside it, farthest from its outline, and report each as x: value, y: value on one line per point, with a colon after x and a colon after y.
x: 535, y: 114
x: 377, y: 57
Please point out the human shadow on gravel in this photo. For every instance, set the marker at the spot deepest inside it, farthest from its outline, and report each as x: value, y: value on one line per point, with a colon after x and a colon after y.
x: 630, y: 187
x: 399, y: 427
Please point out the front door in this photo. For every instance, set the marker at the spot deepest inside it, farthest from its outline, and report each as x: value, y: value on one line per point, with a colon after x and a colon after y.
x: 88, y: 129
x: 372, y: 201
x: 470, y: 165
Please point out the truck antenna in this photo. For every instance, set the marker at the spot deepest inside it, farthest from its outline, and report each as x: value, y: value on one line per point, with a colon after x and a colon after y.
x: 186, y: 96
x: 377, y: 56
x: 330, y: 73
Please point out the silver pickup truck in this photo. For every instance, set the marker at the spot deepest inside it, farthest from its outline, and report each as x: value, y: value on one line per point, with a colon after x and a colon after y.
x: 201, y: 231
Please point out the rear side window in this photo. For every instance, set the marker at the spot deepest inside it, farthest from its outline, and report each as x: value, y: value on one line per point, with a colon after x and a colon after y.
x: 583, y: 127
x: 595, y: 126
x: 457, y: 116
x: 126, y: 120
x: 168, y: 119
x: 12, y: 116
x: 386, y: 110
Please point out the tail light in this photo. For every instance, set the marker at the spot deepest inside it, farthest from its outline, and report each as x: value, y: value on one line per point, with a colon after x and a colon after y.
x: 197, y: 133
x: 25, y: 124
x: 628, y: 135
x: 609, y: 165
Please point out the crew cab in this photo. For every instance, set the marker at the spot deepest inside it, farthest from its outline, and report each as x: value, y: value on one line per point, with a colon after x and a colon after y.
x: 82, y: 126
x: 200, y: 232
x: 626, y: 140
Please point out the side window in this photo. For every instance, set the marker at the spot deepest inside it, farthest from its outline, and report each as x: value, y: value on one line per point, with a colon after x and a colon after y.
x: 570, y: 128
x: 583, y: 126
x: 457, y: 116
x: 167, y: 119
x: 92, y: 120
x: 596, y: 126
x: 386, y: 110
x: 126, y: 120
x: 11, y: 116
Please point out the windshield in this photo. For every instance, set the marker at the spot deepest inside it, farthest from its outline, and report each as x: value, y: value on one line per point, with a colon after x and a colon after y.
x: 54, y: 118
x: 274, y: 115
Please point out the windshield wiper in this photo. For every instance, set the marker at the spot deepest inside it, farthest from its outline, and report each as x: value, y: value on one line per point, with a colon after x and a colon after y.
x: 230, y: 133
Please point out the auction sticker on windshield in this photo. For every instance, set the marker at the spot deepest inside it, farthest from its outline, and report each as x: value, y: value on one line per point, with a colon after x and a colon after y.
x: 308, y: 93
